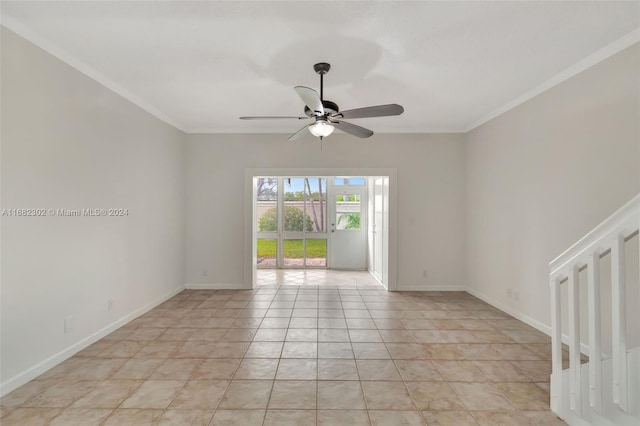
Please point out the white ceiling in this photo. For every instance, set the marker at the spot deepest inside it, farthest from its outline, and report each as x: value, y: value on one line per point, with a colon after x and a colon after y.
x: 201, y: 65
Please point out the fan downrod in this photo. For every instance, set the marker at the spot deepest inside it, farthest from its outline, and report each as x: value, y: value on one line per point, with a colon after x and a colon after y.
x: 322, y: 68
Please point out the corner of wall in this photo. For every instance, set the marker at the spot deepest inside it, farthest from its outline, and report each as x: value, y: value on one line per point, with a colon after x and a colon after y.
x: 36, y: 370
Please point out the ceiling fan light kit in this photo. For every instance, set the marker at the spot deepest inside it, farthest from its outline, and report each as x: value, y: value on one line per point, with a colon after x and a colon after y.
x: 321, y: 128
x: 327, y: 115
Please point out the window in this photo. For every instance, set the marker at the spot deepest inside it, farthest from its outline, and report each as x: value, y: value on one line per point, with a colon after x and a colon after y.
x: 267, y: 204
x: 305, y: 204
x: 348, y: 212
x: 353, y: 181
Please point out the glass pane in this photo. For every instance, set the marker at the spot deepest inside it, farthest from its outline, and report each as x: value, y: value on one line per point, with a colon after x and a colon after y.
x: 293, y: 189
x: 293, y: 252
x: 305, y: 202
x: 358, y: 181
x: 294, y: 217
x: 267, y: 252
x: 316, y: 253
x: 316, y: 203
x: 348, y: 212
x: 267, y: 204
x: 355, y: 181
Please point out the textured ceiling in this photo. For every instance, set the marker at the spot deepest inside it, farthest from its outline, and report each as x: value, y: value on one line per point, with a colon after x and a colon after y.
x: 201, y: 65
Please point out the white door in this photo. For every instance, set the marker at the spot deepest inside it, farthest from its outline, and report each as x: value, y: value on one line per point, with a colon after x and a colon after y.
x: 348, y: 227
x: 378, y: 226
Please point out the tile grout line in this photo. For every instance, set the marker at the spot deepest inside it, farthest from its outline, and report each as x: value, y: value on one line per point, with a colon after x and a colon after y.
x: 404, y: 306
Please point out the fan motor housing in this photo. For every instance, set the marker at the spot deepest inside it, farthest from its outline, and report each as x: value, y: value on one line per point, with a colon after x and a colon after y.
x: 329, y: 108
x: 321, y: 68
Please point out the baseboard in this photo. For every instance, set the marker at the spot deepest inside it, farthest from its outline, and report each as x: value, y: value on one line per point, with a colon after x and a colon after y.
x: 379, y: 281
x: 33, y: 372
x: 522, y: 317
x: 214, y: 286
x: 414, y: 287
x: 511, y: 311
x: 496, y: 304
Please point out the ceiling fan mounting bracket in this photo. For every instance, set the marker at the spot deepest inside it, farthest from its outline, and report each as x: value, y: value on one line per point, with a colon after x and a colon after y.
x: 322, y: 68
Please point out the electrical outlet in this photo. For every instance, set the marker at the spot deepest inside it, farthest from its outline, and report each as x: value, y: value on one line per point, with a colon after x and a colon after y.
x: 424, y: 273
x: 110, y: 305
x: 205, y: 273
x: 68, y: 324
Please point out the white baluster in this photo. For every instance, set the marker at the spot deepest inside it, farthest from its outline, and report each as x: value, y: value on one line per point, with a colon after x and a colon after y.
x: 574, y: 341
x: 595, y: 347
x: 618, y: 309
x: 556, y: 348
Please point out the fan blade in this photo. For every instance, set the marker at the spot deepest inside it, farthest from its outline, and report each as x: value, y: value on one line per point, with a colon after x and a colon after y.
x: 273, y: 118
x: 299, y: 133
x: 352, y: 129
x: 310, y: 98
x: 372, y: 111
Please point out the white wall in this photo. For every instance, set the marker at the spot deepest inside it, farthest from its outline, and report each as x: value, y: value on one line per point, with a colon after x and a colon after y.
x: 429, y: 198
x: 542, y: 175
x: 488, y: 209
x: 68, y: 142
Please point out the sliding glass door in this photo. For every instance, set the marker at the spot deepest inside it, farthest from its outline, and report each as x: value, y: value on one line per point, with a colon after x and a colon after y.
x: 292, y: 222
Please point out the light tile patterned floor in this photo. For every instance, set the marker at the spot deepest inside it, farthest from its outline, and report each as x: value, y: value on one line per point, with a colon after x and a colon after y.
x: 315, y: 277
x: 301, y: 355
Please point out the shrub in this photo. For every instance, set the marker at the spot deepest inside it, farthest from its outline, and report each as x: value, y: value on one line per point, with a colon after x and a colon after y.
x: 294, y: 220
x: 352, y: 219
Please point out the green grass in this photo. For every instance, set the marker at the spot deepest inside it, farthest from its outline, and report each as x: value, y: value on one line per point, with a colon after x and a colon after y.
x: 292, y: 248
x: 267, y: 248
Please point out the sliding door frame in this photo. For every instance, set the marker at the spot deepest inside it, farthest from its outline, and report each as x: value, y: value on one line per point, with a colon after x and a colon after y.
x: 250, y: 213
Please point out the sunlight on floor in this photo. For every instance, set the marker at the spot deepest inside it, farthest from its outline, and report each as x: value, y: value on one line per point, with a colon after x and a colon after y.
x: 316, y: 277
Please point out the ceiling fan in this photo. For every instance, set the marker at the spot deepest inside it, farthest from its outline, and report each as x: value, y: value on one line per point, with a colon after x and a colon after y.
x: 326, y: 114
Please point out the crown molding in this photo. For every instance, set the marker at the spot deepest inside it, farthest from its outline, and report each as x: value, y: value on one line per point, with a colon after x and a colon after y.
x: 294, y: 129
x: 596, y: 57
x: 14, y: 25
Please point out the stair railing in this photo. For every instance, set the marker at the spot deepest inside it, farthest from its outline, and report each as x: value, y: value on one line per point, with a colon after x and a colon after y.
x: 607, y: 238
